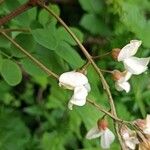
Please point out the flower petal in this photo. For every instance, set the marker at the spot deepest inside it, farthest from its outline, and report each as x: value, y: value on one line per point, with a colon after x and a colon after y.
x: 120, y: 86
x: 107, y: 138
x: 79, y: 96
x: 128, y: 76
x: 88, y: 87
x: 136, y: 65
x: 93, y: 133
x: 73, y: 79
x: 131, y: 142
x: 129, y: 50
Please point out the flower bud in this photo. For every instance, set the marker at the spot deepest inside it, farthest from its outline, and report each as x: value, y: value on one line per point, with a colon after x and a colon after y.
x: 140, y: 123
x: 115, y: 52
x: 117, y: 75
x: 102, y: 124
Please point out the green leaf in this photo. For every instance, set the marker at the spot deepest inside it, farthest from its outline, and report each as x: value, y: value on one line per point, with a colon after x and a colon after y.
x: 22, y: 19
x: 52, y: 141
x: 14, y: 135
x: 11, y: 72
x: 94, y: 24
x: 69, y: 54
x: 4, y: 42
x: 1, y: 61
x: 32, y: 68
x: 45, y: 38
x: 92, y: 6
x: 24, y: 40
x: 65, y: 36
x: 45, y: 17
x: 89, y: 115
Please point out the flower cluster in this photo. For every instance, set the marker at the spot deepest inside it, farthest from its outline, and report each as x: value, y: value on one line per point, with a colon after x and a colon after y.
x: 131, y: 138
x: 133, y: 65
x: 78, y: 82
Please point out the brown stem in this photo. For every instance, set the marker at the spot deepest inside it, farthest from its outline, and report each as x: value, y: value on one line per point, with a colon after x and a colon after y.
x: 1, y: 1
x: 88, y: 56
x: 49, y: 72
x: 100, y: 56
x: 18, y: 11
x: 15, y: 30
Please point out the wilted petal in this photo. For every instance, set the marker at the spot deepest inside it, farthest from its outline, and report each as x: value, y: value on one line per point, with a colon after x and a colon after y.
x: 79, y: 96
x: 93, y: 133
x: 131, y: 142
x: 72, y: 79
x: 129, y: 50
x: 107, y: 138
x: 136, y: 65
x: 120, y: 86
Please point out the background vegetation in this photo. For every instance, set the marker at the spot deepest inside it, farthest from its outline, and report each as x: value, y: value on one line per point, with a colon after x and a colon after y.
x: 33, y: 108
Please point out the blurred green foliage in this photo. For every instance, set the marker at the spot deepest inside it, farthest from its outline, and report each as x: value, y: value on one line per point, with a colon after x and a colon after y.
x: 33, y: 108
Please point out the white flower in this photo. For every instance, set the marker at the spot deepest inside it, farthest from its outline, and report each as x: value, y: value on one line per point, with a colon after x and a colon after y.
x: 107, y: 137
x: 122, y: 80
x: 132, y: 64
x: 129, y: 138
x: 79, y: 83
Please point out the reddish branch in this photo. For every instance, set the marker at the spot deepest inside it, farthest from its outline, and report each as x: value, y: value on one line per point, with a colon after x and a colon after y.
x: 18, y: 11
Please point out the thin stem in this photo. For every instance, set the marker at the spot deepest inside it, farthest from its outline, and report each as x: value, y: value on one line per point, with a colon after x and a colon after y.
x: 4, y: 54
x: 84, y: 67
x: 101, y: 56
x: 13, y: 14
x: 88, y: 56
x: 24, y: 7
x: 15, y: 30
x: 103, y: 110
x: 49, y: 72
x: 107, y: 71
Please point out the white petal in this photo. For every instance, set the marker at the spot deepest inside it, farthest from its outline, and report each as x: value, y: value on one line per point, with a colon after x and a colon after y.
x: 73, y: 79
x: 120, y: 86
x: 128, y: 76
x: 107, y: 138
x: 129, y: 50
x: 79, y: 96
x: 88, y: 87
x: 93, y: 133
x: 136, y: 65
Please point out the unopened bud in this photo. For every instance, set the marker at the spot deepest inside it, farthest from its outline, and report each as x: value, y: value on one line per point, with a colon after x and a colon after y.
x: 117, y: 75
x: 102, y: 124
x: 140, y: 123
x: 115, y: 52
